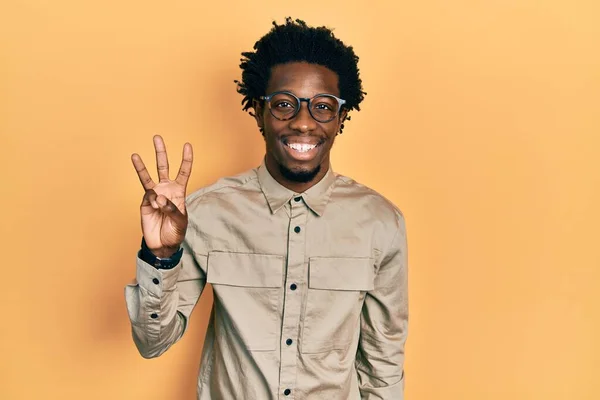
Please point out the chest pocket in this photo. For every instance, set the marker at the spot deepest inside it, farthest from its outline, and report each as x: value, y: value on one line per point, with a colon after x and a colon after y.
x: 336, y: 290
x: 247, y: 289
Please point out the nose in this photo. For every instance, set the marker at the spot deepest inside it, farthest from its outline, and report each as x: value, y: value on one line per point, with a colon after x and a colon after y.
x: 303, y: 121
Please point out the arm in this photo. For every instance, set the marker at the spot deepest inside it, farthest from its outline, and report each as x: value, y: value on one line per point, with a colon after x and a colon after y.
x: 161, y: 301
x: 384, y: 324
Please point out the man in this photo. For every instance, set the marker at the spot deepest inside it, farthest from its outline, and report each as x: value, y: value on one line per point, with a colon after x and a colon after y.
x: 308, y: 267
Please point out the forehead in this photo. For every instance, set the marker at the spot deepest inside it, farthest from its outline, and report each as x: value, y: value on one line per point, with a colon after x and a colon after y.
x: 303, y: 79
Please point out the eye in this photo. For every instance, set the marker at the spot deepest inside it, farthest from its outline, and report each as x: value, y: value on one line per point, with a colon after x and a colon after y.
x: 323, y: 106
x: 283, y: 104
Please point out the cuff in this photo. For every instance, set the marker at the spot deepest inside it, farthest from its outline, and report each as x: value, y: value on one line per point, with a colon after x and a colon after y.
x: 156, y: 281
x: 394, y: 391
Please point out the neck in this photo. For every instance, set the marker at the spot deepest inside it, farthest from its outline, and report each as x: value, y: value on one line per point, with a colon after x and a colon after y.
x: 297, y: 187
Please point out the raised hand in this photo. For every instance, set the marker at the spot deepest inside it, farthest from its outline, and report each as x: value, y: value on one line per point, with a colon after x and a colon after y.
x: 163, y: 212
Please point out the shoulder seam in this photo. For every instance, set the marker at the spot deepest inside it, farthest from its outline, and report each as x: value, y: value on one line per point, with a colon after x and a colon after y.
x: 372, y: 191
x: 200, y: 193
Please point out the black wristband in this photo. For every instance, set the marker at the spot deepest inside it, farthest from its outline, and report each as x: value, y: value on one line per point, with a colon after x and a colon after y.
x: 145, y: 254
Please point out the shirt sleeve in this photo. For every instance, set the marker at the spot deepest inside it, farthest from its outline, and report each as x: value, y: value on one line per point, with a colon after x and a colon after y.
x: 160, y: 302
x: 384, y: 326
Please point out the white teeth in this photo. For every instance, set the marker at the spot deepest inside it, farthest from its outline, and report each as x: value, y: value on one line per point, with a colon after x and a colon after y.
x: 301, y: 147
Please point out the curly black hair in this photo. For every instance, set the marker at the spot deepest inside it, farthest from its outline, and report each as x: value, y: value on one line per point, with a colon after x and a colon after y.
x: 295, y: 41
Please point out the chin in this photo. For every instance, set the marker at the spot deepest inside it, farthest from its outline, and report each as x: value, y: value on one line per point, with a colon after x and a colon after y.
x: 299, y: 174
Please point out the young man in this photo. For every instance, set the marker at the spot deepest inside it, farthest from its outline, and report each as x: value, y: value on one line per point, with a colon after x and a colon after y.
x: 308, y: 267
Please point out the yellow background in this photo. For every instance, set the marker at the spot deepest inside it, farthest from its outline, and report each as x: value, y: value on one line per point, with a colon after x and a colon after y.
x: 481, y: 122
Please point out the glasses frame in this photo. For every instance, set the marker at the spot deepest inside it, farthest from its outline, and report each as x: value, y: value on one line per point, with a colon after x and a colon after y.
x: 308, y: 101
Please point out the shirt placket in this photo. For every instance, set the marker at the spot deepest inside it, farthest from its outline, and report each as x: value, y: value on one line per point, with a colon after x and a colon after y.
x: 292, y: 306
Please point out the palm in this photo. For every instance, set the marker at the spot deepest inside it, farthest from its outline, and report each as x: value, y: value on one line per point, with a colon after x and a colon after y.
x: 163, y: 212
x: 159, y: 228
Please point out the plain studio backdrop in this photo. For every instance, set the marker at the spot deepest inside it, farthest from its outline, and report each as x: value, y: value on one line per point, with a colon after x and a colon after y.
x: 481, y: 123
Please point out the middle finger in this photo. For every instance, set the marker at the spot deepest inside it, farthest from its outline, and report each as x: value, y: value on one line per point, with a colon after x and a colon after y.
x: 162, y: 162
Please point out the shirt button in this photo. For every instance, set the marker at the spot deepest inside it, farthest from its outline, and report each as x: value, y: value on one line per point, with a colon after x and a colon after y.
x: 154, y: 315
x: 287, y: 392
x: 297, y: 229
x: 297, y: 198
x: 293, y: 286
x: 155, y: 281
x: 289, y: 342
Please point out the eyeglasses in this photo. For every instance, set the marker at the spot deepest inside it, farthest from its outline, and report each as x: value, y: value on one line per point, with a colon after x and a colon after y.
x: 286, y: 105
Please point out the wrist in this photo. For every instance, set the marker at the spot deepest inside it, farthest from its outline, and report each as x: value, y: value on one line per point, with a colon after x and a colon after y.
x: 165, y: 252
x: 163, y: 258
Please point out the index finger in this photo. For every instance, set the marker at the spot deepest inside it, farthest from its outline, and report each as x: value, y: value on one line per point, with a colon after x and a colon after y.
x: 142, y: 172
x: 185, y: 169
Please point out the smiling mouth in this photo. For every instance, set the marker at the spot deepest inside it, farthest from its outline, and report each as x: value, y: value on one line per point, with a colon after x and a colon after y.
x: 301, y: 147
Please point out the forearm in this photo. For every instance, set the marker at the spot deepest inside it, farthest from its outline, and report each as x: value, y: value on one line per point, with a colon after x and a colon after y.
x: 380, y: 369
x: 384, y: 326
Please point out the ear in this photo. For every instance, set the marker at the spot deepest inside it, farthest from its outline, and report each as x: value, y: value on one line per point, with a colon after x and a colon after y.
x: 258, y: 114
x: 343, y: 116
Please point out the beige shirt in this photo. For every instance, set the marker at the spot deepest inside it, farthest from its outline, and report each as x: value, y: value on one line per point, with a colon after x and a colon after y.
x: 310, y: 291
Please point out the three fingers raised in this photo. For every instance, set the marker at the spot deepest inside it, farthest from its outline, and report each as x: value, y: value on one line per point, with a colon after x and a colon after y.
x: 162, y: 165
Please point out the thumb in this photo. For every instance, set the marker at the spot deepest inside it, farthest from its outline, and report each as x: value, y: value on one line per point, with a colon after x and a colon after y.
x: 169, y: 209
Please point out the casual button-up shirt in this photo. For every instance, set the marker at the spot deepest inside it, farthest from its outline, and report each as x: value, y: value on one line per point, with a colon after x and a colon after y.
x: 310, y: 291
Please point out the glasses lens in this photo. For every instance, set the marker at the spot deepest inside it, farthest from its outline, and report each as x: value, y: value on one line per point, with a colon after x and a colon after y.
x: 283, y: 106
x: 324, y: 108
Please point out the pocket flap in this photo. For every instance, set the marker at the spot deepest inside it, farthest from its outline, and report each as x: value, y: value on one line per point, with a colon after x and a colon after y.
x: 245, y: 269
x: 341, y: 273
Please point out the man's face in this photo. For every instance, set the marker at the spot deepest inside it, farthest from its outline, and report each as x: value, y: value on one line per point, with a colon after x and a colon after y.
x: 286, y: 141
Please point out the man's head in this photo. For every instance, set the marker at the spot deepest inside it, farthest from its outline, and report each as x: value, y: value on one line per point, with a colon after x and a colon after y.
x: 291, y: 65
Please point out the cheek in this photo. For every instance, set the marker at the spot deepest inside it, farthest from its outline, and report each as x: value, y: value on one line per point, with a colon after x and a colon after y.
x: 274, y: 126
x: 270, y: 136
x: 332, y: 131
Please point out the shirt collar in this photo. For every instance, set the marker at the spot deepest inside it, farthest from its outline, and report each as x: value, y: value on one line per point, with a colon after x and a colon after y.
x: 316, y: 197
